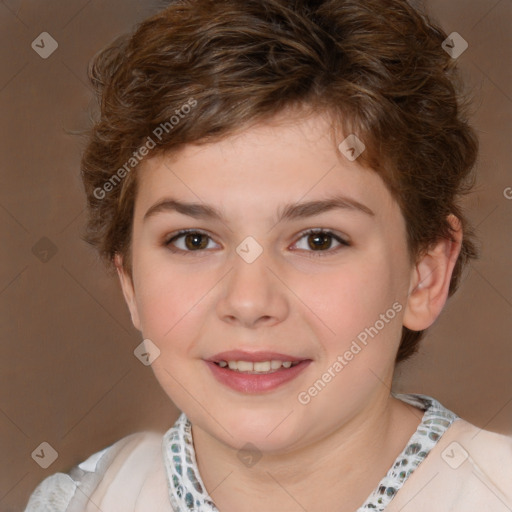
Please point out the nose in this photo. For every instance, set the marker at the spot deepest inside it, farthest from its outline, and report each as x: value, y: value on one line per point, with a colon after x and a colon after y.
x: 253, y: 295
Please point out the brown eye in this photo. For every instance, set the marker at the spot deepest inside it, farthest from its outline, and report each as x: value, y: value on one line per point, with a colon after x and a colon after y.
x: 194, y: 241
x: 319, y: 242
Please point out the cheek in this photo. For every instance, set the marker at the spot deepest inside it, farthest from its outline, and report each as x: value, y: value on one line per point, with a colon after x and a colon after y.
x: 175, y: 303
x: 173, y: 307
x: 363, y: 312
x: 167, y: 300
x: 351, y: 298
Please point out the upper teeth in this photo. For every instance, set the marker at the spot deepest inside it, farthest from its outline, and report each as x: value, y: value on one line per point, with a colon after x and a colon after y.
x: 262, y: 366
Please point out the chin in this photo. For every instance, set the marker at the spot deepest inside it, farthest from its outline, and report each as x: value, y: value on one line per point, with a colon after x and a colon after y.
x: 267, y: 432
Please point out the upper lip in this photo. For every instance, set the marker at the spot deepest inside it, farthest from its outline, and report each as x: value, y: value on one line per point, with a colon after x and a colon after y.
x: 255, y: 357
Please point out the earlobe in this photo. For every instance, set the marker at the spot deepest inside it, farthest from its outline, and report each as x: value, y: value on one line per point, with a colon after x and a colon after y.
x: 430, y: 280
x: 128, y: 291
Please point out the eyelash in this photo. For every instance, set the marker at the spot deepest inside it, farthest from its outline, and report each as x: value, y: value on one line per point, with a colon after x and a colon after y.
x: 314, y: 254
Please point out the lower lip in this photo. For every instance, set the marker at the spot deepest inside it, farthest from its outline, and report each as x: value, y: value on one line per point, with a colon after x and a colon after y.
x: 254, y: 383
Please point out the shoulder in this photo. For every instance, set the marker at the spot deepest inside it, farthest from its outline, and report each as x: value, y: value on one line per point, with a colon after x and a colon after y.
x: 488, y: 453
x: 469, y: 469
x: 59, y: 492
x: 53, y: 493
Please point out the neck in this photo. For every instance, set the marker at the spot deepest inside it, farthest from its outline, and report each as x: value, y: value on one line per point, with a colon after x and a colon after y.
x: 337, y: 472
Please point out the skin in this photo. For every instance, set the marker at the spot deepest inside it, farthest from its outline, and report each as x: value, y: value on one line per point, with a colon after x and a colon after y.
x: 331, y: 453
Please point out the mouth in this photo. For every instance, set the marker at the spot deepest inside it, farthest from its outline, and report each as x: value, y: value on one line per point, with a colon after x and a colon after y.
x: 256, y: 368
x: 261, y: 362
x: 256, y: 376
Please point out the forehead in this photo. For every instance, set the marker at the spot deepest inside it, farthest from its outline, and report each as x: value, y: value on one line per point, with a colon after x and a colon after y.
x: 283, y: 161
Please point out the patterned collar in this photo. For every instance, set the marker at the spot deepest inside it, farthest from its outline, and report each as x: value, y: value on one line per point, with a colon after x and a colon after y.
x: 187, y: 491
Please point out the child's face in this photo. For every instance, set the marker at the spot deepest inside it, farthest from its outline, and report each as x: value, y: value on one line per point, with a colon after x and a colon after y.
x: 294, y: 298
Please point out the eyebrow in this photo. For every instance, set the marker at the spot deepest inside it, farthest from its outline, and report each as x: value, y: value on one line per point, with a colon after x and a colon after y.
x: 286, y: 212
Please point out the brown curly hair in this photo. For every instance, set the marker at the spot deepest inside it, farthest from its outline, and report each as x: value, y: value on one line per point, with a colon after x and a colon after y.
x: 376, y: 67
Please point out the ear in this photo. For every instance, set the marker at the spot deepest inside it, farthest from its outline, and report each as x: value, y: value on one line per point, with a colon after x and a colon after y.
x: 128, y: 291
x: 430, y: 280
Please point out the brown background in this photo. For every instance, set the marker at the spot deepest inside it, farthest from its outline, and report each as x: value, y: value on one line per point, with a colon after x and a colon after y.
x: 68, y: 375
